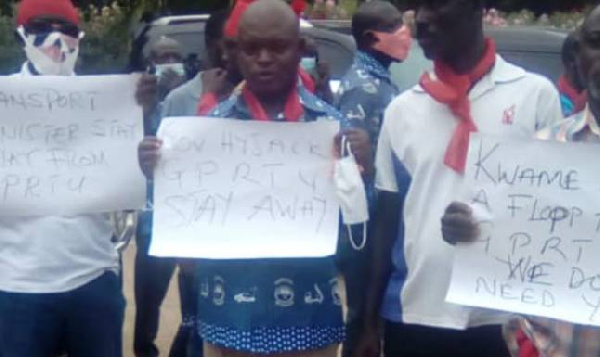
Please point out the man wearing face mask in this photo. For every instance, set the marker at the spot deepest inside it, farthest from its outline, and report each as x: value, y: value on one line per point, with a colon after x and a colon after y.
x: 421, y: 160
x: 59, y: 287
x: 167, y: 59
x: 153, y: 274
x: 365, y: 92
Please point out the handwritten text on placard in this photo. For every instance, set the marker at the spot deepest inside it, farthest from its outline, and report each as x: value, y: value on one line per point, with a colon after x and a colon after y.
x: 243, y: 189
x: 68, y: 145
x: 539, y: 206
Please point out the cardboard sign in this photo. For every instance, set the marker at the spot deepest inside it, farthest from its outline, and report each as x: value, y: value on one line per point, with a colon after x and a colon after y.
x: 229, y: 189
x: 539, y: 209
x: 68, y: 145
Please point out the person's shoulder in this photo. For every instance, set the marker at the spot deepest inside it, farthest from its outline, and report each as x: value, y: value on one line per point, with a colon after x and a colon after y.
x: 356, y: 78
x: 318, y: 109
x: 560, y: 129
x: 413, y: 97
x: 191, y: 88
x: 226, y: 108
x: 512, y: 74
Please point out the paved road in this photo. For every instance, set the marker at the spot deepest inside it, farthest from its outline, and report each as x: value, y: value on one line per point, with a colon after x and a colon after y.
x: 170, y: 314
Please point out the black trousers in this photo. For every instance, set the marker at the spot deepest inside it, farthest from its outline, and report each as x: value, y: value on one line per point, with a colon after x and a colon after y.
x: 402, y: 340
x: 353, y: 266
x: 152, y: 277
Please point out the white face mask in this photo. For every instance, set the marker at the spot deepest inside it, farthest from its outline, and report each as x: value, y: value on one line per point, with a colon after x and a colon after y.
x: 55, y: 56
x: 178, y: 68
x: 351, y: 193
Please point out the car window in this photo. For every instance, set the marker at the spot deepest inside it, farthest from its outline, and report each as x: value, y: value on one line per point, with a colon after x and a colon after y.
x: 547, y: 64
x: 406, y: 75
x: 191, y: 42
x: 338, y: 57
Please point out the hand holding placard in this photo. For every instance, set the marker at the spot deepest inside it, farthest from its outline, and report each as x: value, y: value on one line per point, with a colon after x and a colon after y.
x: 538, y: 250
x: 68, y: 145
x: 241, y: 189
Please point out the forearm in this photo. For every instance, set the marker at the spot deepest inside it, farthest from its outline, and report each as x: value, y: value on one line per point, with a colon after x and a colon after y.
x: 384, y: 234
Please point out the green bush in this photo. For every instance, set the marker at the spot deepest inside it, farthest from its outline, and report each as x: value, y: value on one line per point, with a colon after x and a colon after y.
x: 103, y: 50
x: 11, y: 56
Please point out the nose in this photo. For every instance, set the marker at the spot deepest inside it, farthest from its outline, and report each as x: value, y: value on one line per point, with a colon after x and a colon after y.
x: 265, y: 56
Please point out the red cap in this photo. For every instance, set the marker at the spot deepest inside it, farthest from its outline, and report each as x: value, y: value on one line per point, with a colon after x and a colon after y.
x: 30, y: 9
x: 240, y: 7
x: 298, y: 6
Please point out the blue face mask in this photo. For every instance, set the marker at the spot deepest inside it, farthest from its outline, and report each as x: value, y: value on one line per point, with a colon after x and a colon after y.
x: 309, y: 64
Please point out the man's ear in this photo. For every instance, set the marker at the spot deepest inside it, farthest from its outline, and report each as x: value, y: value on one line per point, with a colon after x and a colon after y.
x: 368, y: 39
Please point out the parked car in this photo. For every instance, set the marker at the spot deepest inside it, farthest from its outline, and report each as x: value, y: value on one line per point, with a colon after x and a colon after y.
x: 334, y: 48
x: 537, y: 49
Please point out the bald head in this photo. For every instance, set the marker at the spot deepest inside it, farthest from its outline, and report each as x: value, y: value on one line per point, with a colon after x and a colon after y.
x: 270, y: 48
x: 165, y: 50
x: 270, y: 13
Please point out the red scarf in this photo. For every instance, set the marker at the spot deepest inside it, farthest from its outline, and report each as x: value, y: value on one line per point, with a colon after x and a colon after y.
x: 453, y: 90
x: 307, y: 80
x: 293, y: 110
x: 579, y: 99
x: 526, y: 347
x: 208, y: 102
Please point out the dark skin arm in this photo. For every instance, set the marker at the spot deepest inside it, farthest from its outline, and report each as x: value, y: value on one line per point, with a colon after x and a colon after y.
x: 147, y: 96
x: 322, y: 89
x: 389, y: 209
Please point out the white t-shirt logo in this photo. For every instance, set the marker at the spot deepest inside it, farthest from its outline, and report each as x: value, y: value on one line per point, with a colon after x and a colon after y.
x: 508, y: 117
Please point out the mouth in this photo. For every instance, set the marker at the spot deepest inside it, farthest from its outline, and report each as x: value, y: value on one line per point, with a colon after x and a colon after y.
x: 265, y: 76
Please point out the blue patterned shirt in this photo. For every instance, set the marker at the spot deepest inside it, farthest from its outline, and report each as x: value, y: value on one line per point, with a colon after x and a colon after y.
x: 268, y: 306
x: 365, y: 92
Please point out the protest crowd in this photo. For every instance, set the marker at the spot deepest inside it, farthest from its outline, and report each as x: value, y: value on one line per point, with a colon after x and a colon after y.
x: 302, y: 221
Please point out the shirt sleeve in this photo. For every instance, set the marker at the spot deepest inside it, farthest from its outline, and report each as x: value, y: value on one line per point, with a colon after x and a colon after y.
x: 384, y: 161
x: 358, y: 107
x: 549, y: 111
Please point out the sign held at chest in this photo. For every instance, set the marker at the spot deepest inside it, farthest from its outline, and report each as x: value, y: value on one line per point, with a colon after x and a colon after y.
x: 537, y: 203
x: 228, y: 189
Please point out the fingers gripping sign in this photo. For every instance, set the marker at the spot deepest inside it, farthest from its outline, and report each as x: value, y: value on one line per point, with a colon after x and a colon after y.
x: 459, y: 224
x: 148, y: 155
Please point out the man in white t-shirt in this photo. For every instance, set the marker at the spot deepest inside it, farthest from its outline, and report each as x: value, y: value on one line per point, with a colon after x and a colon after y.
x: 59, y: 284
x: 420, y: 165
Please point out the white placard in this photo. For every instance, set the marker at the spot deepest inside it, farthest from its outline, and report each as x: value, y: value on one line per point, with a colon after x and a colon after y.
x: 227, y: 189
x: 68, y: 145
x: 539, y: 253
